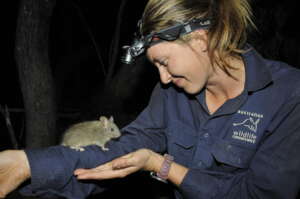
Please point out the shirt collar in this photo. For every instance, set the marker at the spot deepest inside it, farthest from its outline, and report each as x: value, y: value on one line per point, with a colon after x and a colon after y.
x: 258, y: 75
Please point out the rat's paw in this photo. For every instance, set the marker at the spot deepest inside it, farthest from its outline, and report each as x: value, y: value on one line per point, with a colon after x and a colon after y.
x: 104, y: 148
x: 77, y: 148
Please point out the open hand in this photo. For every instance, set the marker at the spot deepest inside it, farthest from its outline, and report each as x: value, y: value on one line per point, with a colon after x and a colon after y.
x: 14, y: 169
x: 120, y: 167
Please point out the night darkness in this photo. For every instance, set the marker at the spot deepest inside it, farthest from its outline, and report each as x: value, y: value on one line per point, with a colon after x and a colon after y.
x: 80, y: 37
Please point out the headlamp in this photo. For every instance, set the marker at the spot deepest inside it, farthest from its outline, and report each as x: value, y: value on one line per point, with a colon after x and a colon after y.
x: 141, y: 43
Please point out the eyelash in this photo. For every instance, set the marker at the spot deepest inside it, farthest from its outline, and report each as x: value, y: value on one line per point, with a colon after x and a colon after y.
x: 164, y: 63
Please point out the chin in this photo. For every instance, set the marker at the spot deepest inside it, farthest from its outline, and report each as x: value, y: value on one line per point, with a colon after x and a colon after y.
x: 192, y: 91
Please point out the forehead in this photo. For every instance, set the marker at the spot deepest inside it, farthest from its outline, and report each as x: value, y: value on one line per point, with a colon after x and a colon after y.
x: 156, y: 50
x: 159, y: 50
x: 166, y: 49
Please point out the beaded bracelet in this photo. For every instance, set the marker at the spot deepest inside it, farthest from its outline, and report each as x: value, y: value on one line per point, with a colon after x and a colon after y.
x: 162, y: 175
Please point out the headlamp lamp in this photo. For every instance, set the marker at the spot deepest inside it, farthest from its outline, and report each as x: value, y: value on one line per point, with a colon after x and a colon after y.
x: 141, y: 43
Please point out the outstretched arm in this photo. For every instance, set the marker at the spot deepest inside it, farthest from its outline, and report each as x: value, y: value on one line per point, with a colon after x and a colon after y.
x: 52, y: 169
x: 142, y: 159
x: 14, y: 170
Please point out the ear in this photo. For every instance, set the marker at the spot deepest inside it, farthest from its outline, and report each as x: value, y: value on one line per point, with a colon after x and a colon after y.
x: 111, y: 119
x: 200, y: 34
x: 104, y: 121
x: 201, y: 38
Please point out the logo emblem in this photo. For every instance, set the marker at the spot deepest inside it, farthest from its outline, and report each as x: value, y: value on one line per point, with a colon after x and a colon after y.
x: 249, y: 123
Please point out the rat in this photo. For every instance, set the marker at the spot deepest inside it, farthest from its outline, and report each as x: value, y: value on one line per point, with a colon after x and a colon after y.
x: 96, y: 132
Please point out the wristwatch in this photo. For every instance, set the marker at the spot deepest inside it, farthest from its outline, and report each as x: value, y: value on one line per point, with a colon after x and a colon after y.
x: 163, y: 173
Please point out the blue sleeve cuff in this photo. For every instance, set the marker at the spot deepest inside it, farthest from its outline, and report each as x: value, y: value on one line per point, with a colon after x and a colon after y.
x: 198, y: 184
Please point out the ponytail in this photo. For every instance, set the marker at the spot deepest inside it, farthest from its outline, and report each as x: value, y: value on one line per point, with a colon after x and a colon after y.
x: 228, y: 33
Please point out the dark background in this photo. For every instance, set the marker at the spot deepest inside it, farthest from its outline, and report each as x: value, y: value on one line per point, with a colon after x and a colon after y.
x: 76, y: 27
x: 77, y: 70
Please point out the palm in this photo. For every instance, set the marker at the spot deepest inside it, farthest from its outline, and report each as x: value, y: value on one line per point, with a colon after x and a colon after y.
x: 137, y: 159
x: 11, y: 171
x: 117, y: 168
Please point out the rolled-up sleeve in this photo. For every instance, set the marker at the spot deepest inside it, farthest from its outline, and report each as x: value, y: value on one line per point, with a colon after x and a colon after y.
x: 273, y: 172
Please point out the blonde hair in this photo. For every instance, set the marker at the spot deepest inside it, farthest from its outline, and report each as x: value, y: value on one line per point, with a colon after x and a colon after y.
x: 227, y: 34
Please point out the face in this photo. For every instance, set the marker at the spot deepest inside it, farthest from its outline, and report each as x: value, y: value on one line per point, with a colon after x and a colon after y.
x: 184, y: 65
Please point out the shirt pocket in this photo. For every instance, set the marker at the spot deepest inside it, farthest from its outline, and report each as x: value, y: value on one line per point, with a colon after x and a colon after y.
x: 181, y: 142
x: 228, y: 154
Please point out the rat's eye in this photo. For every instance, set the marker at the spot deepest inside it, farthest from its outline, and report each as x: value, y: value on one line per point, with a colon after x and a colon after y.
x: 112, y: 129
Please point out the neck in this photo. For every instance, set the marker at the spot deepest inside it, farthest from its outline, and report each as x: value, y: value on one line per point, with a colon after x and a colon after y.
x: 222, y: 87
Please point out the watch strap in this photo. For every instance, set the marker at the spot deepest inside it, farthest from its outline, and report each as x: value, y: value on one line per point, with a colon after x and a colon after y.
x: 163, y: 173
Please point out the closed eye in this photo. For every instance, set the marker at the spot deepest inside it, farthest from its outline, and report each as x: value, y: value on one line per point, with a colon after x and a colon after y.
x: 163, y: 62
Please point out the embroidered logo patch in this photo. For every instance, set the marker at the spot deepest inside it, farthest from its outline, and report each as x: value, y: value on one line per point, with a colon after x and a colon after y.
x: 249, y: 123
x: 245, y: 130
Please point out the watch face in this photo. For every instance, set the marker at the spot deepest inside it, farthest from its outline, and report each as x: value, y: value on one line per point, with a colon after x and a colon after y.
x: 154, y: 175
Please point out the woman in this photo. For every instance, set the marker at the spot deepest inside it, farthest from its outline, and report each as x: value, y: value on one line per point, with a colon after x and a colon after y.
x: 225, y: 118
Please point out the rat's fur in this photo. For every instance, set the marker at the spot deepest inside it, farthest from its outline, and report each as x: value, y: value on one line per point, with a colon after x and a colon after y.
x: 97, y: 132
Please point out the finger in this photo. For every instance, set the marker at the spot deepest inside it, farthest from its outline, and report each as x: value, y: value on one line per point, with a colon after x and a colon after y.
x: 109, y: 174
x: 129, y: 155
x: 122, y: 163
x: 93, y: 170
x: 106, y: 174
x: 106, y: 166
x: 79, y: 171
x: 119, y: 163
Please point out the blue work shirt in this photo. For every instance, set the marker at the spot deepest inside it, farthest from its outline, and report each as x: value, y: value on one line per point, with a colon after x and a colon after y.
x: 248, y: 148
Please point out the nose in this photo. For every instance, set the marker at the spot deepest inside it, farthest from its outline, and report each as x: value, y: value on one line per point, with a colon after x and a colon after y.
x: 165, y: 76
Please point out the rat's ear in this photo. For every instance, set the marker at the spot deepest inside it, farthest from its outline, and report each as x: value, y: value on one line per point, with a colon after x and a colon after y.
x: 104, y: 121
x: 102, y: 118
x: 111, y: 119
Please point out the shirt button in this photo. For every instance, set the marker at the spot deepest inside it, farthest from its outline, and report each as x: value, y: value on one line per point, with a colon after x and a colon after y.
x: 239, y: 160
x: 206, y: 135
x: 200, y: 164
x: 228, y: 147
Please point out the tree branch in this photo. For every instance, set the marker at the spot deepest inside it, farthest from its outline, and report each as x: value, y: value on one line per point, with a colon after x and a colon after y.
x: 12, y: 135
